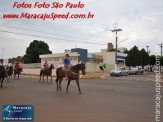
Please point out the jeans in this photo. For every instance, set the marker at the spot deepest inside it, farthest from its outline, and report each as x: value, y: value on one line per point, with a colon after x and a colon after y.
x: 66, y: 69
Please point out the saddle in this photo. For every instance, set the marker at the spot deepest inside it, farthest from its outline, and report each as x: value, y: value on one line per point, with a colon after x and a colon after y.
x: 64, y: 69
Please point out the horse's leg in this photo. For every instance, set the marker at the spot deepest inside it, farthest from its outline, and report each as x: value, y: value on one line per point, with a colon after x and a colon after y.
x: 60, y: 84
x: 77, y: 81
x: 14, y: 75
x: 47, y: 78
x: 57, y: 83
x: 2, y: 82
x: 68, y: 84
x: 51, y: 78
x: 40, y: 75
x: 43, y: 77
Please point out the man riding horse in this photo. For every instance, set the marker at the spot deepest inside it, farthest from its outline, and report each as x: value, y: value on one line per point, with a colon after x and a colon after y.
x: 46, y: 71
x: 17, y: 70
x: 70, y: 72
x: 2, y: 71
x: 9, y: 70
x: 67, y: 65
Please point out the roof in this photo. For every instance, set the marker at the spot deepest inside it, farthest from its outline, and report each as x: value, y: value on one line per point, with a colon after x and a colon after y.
x: 59, y: 55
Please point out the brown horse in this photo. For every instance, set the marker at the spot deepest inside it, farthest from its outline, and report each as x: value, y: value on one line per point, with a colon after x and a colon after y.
x: 2, y: 74
x: 46, y: 72
x: 17, y: 72
x: 73, y: 74
x: 9, y: 71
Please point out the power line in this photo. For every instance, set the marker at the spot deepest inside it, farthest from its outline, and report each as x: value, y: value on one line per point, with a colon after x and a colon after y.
x: 64, y: 29
x: 45, y: 32
x: 51, y: 37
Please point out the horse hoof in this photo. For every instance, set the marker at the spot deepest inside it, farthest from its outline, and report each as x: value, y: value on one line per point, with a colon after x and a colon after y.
x: 80, y: 92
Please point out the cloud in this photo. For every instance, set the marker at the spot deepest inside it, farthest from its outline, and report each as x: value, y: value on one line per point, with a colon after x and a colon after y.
x: 141, y: 21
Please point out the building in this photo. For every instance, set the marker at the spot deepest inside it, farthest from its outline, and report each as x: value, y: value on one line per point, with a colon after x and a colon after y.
x: 57, y: 59
x: 76, y: 55
x: 81, y: 55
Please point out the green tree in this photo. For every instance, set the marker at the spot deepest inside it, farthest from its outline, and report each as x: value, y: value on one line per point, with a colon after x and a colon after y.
x: 133, y: 57
x: 35, y: 49
x: 126, y: 51
x: 152, y: 61
x: 144, y: 58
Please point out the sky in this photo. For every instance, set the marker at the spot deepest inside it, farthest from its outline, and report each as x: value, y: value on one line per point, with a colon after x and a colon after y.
x: 141, y: 21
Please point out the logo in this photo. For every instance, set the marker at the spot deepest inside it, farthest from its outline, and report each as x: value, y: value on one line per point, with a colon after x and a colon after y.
x: 17, y: 112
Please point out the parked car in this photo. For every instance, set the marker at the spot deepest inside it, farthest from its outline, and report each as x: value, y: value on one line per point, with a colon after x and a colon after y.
x: 136, y: 70
x: 119, y: 72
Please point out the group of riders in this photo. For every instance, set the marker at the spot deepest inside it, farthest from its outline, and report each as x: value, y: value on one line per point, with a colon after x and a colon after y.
x: 67, y: 65
x: 68, y: 71
x: 6, y: 68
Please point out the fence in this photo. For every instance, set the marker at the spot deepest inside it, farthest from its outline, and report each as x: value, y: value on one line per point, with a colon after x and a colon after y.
x: 31, y: 66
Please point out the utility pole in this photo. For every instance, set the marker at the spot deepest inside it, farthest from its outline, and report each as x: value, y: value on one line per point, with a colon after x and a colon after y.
x: 161, y: 45
x: 116, y: 41
x: 147, y: 49
x: 2, y: 52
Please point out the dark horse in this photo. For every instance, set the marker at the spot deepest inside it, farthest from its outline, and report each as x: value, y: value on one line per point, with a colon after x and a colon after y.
x: 2, y: 74
x: 73, y: 74
x: 9, y: 71
x: 18, y: 72
x: 47, y: 72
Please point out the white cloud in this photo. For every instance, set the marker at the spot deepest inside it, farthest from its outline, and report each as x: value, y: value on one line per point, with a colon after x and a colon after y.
x: 141, y: 21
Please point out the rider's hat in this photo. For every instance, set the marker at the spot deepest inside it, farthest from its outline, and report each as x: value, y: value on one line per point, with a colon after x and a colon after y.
x: 67, y: 55
x: 1, y: 60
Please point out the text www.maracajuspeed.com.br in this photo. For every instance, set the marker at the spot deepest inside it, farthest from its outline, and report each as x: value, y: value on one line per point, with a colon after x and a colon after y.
x: 52, y: 16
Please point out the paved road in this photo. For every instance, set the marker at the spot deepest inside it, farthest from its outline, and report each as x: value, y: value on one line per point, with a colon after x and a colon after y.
x: 114, y: 99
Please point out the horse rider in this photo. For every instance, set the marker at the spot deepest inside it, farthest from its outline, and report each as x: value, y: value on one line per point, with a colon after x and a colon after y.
x: 46, y: 65
x: 67, y: 64
x: 17, y: 66
x: 9, y: 64
x: 2, y: 66
x: 1, y: 62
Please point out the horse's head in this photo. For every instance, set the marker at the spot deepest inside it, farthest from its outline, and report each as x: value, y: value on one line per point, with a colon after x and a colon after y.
x: 52, y: 66
x: 82, y: 65
x: 21, y: 70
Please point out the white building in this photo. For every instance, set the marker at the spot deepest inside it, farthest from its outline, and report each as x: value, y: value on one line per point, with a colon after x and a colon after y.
x: 57, y: 59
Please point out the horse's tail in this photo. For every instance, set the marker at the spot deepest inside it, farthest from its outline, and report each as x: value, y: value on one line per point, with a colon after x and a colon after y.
x: 41, y: 72
x: 58, y: 74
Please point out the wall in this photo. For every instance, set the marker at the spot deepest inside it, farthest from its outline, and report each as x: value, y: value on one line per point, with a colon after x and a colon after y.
x: 35, y: 71
x: 31, y: 66
x: 90, y: 68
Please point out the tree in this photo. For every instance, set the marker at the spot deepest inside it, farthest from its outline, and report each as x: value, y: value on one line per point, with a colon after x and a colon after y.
x: 152, y: 61
x: 126, y: 51
x: 144, y: 58
x: 35, y: 49
x: 14, y: 60
x: 133, y: 57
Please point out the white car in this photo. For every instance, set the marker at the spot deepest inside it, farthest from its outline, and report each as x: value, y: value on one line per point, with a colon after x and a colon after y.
x: 119, y: 72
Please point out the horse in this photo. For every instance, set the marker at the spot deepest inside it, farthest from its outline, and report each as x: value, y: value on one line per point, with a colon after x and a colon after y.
x: 46, y: 72
x: 17, y: 72
x: 2, y: 74
x: 73, y: 74
x: 9, y: 71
